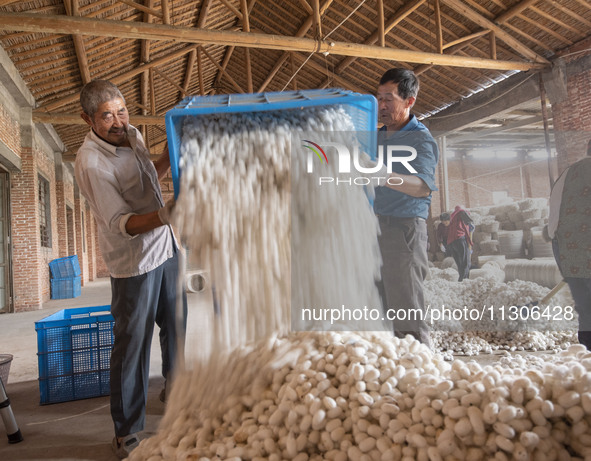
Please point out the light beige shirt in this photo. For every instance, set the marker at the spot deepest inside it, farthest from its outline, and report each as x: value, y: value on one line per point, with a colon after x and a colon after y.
x: 119, y: 182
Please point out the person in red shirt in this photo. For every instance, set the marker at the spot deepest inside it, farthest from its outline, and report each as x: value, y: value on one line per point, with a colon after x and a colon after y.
x: 459, y: 240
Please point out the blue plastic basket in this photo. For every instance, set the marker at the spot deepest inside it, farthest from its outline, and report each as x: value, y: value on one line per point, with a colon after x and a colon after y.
x: 362, y: 108
x: 66, y: 288
x: 67, y: 267
x: 74, y: 352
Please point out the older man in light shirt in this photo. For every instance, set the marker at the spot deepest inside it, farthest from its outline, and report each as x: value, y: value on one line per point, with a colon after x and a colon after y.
x: 115, y: 175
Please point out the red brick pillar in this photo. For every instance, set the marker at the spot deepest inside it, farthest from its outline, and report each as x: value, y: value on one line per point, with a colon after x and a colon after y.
x: 26, y: 248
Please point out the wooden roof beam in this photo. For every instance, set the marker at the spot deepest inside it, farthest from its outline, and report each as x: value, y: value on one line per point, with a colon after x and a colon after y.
x: 307, y: 7
x: 223, y: 71
x: 392, y: 22
x: 232, y: 9
x: 138, y: 30
x: 200, y: 71
x: 246, y: 28
x: 143, y: 9
x: 169, y: 80
x: 72, y: 10
x: 145, y: 76
x: 123, y: 77
x: 189, y: 71
x: 63, y: 118
x: 303, y: 30
x: 483, y: 22
x: 203, y: 13
x: 514, y: 11
x: 230, y: 49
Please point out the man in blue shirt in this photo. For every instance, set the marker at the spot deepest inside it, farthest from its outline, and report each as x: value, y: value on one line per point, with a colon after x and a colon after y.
x: 402, y: 204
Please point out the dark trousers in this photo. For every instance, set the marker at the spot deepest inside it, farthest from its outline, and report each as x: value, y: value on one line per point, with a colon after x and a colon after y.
x: 460, y: 251
x: 403, y: 244
x: 580, y: 289
x: 137, y: 303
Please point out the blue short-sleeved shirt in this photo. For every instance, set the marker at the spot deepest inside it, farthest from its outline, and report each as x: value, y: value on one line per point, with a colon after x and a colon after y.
x: 390, y: 202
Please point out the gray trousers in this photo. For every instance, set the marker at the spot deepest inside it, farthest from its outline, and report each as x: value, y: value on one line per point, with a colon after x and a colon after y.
x: 403, y: 244
x: 137, y: 303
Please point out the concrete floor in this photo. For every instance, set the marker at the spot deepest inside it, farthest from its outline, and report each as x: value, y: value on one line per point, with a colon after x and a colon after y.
x: 76, y: 430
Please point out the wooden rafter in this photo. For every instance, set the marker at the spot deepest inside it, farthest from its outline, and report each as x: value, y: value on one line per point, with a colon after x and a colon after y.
x: 381, y: 27
x: 303, y: 30
x: 246, y: 28
x: 189, y: 71
x: 514, y: 10
x: 72, y: 10
x: 171, y: 81
x: 223, y: 71
x: 492, y: 41
x: 152, y: 92
x: 317, y: 18
x: 438, y: 28
x: 202, y: 19
x: 138, y: 30
x: 200, y: 71
x: 232, y: 8
x: 401, y: 14
x: 123, y: 77
x: 62, y: 118
x: 142, y: 8
x: 459, y: 44
x: 230, y: 50
x: 165, y: 11
x: 485, y: 23
x: 306, y: 6
x: 145, y: 76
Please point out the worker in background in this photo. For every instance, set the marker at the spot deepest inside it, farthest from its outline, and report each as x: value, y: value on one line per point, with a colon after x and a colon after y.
x: 116, y: 176
x: 569, y: 227
x: 442, y: 231
x: 402, y: 205
x: 459, y: 240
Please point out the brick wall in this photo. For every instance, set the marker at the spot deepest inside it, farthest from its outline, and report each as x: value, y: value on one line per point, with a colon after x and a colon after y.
x: 46, y: 167
x: 472, y: 181
x: 10, y: 132
x: 25, y: 230
x: 572, y: 117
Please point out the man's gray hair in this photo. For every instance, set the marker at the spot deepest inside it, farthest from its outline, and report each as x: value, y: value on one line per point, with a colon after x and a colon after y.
x: 95, y: 93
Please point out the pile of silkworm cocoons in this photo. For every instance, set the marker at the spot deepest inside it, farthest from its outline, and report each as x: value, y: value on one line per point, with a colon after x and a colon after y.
x: 492, y: 298
x: 272, y: 392
x: 369, y: 396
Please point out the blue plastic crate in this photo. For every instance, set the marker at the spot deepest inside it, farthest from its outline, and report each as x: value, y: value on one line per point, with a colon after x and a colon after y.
x: 362, y: 108
x: 66, y: 288
x: 74, y: 353
x: 67, y: 267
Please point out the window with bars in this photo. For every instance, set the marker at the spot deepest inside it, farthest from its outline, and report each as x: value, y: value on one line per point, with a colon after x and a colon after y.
x: 44, y: 212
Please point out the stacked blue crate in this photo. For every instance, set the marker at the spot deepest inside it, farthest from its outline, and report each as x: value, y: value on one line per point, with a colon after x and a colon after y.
x: 65, y: 277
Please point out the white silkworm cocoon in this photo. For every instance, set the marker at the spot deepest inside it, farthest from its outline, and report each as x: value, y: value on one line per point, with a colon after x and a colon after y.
x: 476, y: 420
x: 504, y: 430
